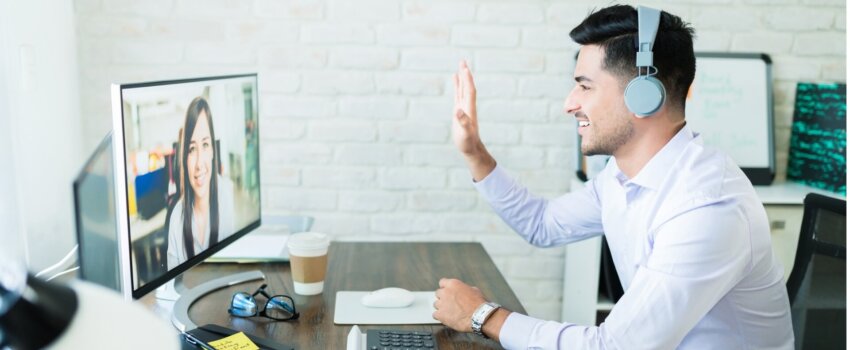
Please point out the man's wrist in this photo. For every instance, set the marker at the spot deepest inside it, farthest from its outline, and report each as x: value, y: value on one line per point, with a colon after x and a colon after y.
x: 494, y: 324
x: 480, y: 163
x: 481, y: 315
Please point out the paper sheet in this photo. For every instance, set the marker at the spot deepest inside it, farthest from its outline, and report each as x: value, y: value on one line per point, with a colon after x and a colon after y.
x: 261, y: 245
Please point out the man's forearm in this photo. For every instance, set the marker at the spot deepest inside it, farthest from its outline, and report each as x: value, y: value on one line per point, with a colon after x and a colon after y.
x: 480, y: 163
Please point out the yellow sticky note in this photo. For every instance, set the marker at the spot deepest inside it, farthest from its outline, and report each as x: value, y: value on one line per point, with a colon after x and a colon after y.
x: 238, y: 341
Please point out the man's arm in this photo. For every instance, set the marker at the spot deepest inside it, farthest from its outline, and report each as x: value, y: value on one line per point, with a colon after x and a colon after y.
x: 539, y: 221
x: 543, y: 222
x: 696, y: 260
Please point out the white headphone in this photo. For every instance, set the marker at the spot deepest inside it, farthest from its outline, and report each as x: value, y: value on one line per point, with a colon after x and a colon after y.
x: 645, y: 94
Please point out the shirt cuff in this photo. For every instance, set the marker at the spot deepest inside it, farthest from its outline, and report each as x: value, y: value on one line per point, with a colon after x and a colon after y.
x: 516, y: 331
x: 495, y: 185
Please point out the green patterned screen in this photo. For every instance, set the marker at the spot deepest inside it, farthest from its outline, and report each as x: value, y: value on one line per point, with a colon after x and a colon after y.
x: 818, y: 152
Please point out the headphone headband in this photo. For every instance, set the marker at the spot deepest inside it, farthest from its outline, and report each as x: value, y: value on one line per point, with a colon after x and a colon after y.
x: 648, y: 21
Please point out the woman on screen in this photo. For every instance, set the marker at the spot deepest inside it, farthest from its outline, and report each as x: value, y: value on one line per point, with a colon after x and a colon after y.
x: 197, y: 222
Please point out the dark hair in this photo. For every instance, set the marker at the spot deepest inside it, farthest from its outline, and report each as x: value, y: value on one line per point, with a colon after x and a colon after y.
x: 615, y: 29
x: 198, y: 105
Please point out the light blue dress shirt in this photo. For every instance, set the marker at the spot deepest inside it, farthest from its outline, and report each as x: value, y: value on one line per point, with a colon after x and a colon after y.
x: 691, y: 244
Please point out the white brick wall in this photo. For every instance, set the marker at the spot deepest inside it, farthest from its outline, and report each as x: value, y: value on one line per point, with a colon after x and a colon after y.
x: 356, y: 98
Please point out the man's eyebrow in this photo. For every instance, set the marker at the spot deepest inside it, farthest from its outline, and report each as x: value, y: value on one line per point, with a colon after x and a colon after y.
x: 582, y: 79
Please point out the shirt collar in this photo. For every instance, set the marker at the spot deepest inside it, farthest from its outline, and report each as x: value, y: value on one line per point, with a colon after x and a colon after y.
x: 654, y: 172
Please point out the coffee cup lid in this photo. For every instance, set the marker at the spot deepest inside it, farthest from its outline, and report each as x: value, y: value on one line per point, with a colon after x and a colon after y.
x: 309, y: 240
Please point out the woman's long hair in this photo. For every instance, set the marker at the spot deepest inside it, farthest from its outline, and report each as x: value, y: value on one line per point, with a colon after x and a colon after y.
x: 198, y: 105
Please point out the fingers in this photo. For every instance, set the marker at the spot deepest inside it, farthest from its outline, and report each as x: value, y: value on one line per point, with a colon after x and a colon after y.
x: 464, y: 93
x: 456, y: 82
x: 466, y: 81
x: 445, y: 282
x: 461, y: 88
x: 436, y: 313
x: 467, y: 86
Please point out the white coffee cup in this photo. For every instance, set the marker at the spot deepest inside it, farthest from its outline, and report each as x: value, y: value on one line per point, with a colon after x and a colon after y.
x: 308, y: 261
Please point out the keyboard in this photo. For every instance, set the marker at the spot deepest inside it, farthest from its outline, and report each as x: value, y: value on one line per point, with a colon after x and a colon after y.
x: 385, y: 339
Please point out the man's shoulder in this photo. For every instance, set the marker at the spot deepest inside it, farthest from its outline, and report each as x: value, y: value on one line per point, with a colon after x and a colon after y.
x: 704, y: 176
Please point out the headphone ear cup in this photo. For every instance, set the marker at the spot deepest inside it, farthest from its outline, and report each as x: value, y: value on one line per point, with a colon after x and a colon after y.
x: 645, y: 95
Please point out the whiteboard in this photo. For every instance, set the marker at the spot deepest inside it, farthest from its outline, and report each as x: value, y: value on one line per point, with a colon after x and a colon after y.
x: 730, y: 104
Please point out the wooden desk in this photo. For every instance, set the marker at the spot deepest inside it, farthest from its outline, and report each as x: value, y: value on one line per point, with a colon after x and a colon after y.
x: 357, y: 266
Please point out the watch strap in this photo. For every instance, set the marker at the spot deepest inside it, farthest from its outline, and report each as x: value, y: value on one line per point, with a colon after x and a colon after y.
x: 481, y: 314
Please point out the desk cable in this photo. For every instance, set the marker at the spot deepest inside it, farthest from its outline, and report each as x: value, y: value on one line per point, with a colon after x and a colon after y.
x: 60, y: 265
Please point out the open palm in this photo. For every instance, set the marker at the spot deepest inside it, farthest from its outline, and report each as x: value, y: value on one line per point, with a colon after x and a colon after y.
x: 465, y: 121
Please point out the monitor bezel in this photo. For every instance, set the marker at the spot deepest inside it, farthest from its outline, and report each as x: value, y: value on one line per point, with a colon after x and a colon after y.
x: 122, y: 192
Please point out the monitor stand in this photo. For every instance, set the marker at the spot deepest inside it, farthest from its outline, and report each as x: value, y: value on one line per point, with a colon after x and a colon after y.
x: 172, y: 289
x: 188, y: 296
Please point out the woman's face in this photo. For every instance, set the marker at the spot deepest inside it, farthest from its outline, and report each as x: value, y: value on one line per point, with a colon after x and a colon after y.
x: 199, y: 161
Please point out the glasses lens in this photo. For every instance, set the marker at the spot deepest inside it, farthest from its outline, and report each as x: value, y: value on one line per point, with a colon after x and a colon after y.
x: 280, y: 307
x: 243, y: 305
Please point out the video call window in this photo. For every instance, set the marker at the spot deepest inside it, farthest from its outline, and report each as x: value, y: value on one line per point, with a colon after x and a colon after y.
x: 192, y: 158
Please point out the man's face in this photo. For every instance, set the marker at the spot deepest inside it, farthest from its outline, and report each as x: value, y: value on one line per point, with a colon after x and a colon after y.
x: 605, y: 123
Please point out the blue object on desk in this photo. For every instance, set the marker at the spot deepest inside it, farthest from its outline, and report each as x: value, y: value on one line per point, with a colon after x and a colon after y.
x: 151, y: 192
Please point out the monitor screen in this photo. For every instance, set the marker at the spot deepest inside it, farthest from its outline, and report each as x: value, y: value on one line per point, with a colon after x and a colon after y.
x: 187, y: 164
x: 94, y: 202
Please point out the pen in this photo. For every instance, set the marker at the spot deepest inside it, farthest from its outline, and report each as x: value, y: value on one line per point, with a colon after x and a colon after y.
x: 191, y: 339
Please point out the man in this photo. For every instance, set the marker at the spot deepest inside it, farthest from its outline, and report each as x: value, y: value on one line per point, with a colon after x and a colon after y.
x: 689, y: 237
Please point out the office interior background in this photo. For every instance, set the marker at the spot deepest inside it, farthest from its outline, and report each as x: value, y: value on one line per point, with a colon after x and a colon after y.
x: 355, y: 104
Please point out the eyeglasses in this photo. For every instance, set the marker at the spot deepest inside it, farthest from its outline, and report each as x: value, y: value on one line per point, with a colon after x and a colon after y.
x: 278, y: 307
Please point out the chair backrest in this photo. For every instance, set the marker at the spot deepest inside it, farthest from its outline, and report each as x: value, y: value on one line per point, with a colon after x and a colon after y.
x: 823, y: 232
x: 295, y: 223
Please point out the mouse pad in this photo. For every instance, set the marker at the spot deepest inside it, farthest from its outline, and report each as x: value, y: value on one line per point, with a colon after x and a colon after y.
x: 349, y: 310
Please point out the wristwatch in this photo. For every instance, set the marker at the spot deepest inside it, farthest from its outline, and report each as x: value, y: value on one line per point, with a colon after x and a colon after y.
x: 481, y: 314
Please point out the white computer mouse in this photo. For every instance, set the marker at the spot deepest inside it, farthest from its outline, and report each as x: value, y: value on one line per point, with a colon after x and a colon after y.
x: 391, y: 297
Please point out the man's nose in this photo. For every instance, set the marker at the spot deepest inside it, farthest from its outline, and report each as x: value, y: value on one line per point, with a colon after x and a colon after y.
x: 571, y: 105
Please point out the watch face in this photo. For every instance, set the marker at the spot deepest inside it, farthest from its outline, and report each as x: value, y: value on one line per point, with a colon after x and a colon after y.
x: 482, y: 312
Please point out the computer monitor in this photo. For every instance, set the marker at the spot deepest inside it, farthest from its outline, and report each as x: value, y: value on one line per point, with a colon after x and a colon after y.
x: 97, y: 226
x: 186, y: 172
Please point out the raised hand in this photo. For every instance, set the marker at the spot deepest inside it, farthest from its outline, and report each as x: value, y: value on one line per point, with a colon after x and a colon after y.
x: 465, y: 125
x: 465, y: 122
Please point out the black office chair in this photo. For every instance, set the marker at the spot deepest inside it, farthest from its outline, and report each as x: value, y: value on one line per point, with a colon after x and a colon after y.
x: 819, y: 211
x: 823, y: 241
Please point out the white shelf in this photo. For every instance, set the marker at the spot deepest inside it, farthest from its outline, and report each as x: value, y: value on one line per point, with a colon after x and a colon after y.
x: 788, y: 193
x: 603, y: 303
